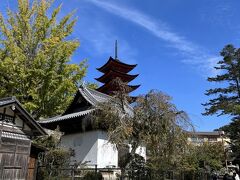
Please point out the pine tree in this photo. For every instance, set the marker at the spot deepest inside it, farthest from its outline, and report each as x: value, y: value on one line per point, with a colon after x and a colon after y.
x: 35, y: 52
x: 227, y: 97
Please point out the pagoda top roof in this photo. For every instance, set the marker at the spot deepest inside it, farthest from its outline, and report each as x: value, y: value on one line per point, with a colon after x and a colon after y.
x: 112, y: 74
x: 112, y: 64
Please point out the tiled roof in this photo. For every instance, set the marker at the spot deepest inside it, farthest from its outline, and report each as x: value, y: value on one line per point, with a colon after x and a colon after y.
x: 68, y: 116
x: 14, y: 136
x: 7, y: 100
x: 212, y: 133
x: 93, y: 97
x: 29, y: 119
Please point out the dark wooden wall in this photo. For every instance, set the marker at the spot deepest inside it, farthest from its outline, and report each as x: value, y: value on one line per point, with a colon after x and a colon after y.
x: 32, y: 168
x: 14, y: 157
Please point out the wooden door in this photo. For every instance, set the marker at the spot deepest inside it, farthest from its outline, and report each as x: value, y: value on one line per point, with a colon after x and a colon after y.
x: 32, y: 167
x: 14, y: 155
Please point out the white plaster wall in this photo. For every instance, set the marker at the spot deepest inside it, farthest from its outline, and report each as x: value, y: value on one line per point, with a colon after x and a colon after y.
x: 84, y: 145
x: 9, y: 111
x: 141, y: 150
x: 19, y: 123
x: 107, y: 152
x: 91, y: 146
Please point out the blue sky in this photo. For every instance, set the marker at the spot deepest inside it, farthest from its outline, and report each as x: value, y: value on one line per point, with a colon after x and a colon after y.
x: 175, y: 43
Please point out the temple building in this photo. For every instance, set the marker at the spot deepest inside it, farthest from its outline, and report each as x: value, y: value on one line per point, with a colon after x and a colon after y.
x: 114, y: 68
x: 90, y: 144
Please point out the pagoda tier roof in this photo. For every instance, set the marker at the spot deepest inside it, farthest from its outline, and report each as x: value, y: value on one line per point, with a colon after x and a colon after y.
x: 108, y: 88
x: 112, y: 74
x: 117, y: 65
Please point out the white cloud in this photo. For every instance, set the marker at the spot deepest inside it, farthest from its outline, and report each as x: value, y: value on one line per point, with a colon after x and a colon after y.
x: 99, y: 40
x: 104, y: 44
x: 192, y: 53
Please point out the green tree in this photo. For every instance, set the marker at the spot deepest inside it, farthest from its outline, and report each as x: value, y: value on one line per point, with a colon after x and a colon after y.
x: 55, y: 158
x: 164, y: 130
x: 232, y: 130
x: 227, y: 96
x: 202, y: 156
x: 35, y: 51
x: 153, y: 122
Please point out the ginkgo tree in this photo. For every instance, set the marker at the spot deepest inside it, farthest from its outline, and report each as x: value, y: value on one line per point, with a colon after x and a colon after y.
x: 35, y: 55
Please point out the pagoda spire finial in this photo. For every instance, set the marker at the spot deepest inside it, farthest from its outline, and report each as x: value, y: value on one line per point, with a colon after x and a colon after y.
x: 116, y: 49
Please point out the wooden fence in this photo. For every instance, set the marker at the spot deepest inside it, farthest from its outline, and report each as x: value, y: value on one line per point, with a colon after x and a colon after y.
x: 71, y: 173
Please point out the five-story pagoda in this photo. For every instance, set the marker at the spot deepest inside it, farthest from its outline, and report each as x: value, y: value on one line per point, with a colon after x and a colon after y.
x: 112, y: 70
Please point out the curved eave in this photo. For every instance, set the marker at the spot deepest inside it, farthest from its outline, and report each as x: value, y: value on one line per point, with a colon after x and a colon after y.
x: 134, y: 87
x: 92, y: 96
x: 108, y: 88
x: 66, y: 117
x: 114, y: 74
x: 116, y: 63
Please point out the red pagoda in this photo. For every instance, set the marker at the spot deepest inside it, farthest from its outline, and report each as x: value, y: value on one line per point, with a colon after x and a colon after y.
x: 113, y: 69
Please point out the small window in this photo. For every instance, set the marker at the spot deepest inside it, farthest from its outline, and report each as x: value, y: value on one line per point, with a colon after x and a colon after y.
x: 6, y: 118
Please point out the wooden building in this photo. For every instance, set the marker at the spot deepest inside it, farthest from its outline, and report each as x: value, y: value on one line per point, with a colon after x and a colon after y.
x: 198, y: 138
x: 17, y: 129
x: 89, y: 144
